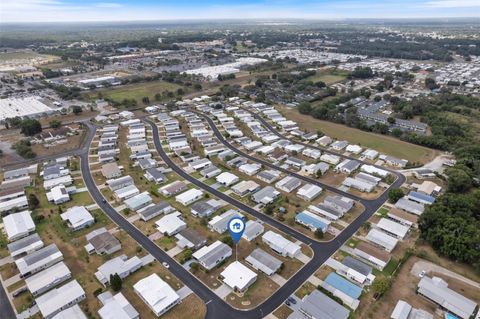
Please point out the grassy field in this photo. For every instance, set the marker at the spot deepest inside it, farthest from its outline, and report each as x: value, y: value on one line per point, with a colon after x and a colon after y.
x: 328, y: 76
x: 381, y: 143
x: 137, y: 91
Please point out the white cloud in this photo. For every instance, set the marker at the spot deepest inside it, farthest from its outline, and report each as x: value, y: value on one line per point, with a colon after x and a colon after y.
x: 453, y: 3
x: 108, y: 5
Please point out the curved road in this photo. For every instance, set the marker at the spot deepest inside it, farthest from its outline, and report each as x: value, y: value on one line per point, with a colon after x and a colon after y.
x: 216, y: 307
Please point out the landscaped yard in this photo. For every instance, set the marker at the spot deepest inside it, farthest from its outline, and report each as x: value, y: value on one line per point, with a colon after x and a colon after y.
x: 328, y: 76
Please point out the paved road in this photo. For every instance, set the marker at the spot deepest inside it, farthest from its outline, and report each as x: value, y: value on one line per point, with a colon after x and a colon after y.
x: 6, y: 310
x: 216, y: 307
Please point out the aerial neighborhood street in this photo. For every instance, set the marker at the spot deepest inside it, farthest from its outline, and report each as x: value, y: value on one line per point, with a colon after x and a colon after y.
x: 280, y: 168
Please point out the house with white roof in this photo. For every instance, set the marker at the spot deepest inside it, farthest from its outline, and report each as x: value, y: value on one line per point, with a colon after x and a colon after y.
x: 309, y: 192
x: 355, y: 149
x: 120, y: 265
x: 253, y: 229
x: 393, y: 228
x: 78, y: 217
x: 116, y: 307
x: 156, y: 294
x: 381, y: 239
x: 18, y: 225
x: 330, y: 158
x: 238, y: 277
x: 48, y: 278
x: 39, y: 260
x: 171, y: 224
x: 188, y: 197
x: 281, y: 245
x: 25, y: 245
x: 210, y: 256
x: 60, y: 299
x: 58, y: 195
x: 263, y: 261
x: 219, y: 223
x: 227, y: 179
x: 250, y: 168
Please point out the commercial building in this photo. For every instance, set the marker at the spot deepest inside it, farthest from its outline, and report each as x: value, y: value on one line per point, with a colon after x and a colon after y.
x: 102, y: 242
x: 210, y: 256
x: 281, y: 245
x: 48, y: 279
x: 60, y: 298
x: 120, y: 265
x: 238, y: 277
x: 263, y: 261
x: 116, y: 307
x: 78, y: 217
x: 23, y: 107
x: 156, y: 294
x: 436, y: 290
x: 18, y: 225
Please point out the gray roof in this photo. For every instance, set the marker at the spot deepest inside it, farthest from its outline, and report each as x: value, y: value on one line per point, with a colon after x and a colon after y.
x: 437, y: 290
x: 15, y: 173
x: 214, y: 255
x: 351, y: 165
x: 339, y: 201
x: 101, y: 239
x: 156, y: 173
x: 24, y: 242
x: 155, y: 210
x: 267, y: 191
x: 265, y: 259
x: 192, y: 236
x: 357, y: 265
x: 330, y: 209
x: 319, y: 305
x: 203, y: 208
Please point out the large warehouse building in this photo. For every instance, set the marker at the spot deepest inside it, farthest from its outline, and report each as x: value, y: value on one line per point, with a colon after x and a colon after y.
x: 28, y: 106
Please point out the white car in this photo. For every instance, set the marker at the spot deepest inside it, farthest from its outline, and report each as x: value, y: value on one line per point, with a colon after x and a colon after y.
x: 422, y: 274
x: 165, y: 264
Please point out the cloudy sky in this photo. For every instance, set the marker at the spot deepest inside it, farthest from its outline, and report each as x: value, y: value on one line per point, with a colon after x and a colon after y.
x: 123, y: 10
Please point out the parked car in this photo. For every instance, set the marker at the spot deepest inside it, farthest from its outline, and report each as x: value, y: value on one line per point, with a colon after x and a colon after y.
x: 292, y: 300
x: 422, y: 274
x: 165, y: 264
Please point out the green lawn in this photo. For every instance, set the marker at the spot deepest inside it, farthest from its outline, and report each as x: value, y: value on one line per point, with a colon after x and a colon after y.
x: 390, y: 267
x: 328, y: 76
x: 384, y: 144
x: 138, y: 91
x: 383, y: 211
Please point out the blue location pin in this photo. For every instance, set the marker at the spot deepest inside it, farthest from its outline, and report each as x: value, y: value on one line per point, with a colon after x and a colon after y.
x: 236, y: 226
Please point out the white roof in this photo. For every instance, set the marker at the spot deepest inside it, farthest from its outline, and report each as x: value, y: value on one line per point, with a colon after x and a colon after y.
x: 18, y: 224
x: 77, y: 216
x: 309, y: 191
x: 281, y: 242
x: 380, y: 238
x: 227, y: 178
x: 236, y: 275
x: 170, y: 223
x: 401, y: 311
x: 156, y: 293
x: 74, y: 312
x: 117, y: 307
x: 189, y: 195
x: 374, y: 170
x: 12, y: 107
x: 393, y: 227
x: 47, y: 277
x: 57, y: 298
